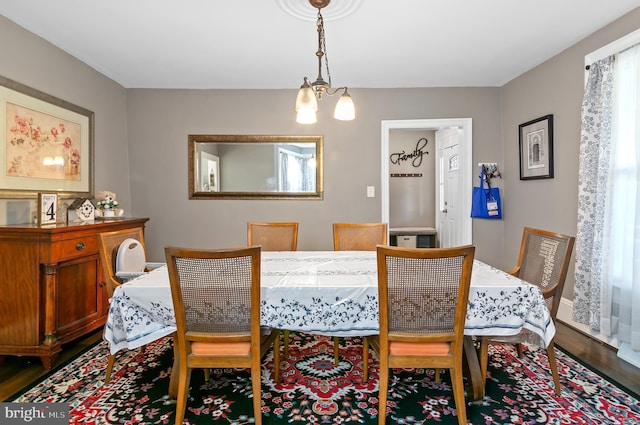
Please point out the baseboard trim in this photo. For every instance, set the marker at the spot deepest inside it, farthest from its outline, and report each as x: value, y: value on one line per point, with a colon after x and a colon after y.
x: 565, y: 315
x: 629, y: 355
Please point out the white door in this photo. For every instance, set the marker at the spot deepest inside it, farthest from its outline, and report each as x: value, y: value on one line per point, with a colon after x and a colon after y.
x: 463, y: 187
x: 449, y: 214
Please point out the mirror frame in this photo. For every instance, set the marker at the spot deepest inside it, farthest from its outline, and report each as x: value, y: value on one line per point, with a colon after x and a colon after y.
x: 253, y: 139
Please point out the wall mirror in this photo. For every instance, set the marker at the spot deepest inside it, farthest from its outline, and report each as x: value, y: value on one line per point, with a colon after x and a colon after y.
x: 255, y: 167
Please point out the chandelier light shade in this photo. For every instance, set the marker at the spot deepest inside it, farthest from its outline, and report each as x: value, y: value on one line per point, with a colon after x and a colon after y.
x: 345, y: 111
x: 306, y: 104
x: 310, y: 93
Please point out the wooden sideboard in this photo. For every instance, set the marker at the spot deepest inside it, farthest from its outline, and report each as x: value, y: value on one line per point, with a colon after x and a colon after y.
x: 51, y: 285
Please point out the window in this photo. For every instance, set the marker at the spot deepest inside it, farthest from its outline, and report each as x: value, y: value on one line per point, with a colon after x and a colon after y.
x: 296, y: 170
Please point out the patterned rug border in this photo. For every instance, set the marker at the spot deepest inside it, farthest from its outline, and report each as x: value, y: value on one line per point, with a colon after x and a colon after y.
x: 599, y: 373
x: 53, y: 371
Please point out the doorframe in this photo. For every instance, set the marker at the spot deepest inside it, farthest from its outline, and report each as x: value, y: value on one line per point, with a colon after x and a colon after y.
x: 466, y: 172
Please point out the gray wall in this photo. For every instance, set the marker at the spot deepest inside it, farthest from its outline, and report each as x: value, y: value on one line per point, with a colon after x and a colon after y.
x: 141, y: 145
x: 554, y: 87
x: 30, y: 60
x: 412, y: 200
x: 159, y: 122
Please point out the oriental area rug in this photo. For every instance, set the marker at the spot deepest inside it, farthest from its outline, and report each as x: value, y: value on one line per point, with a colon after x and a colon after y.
x: 313, y: 390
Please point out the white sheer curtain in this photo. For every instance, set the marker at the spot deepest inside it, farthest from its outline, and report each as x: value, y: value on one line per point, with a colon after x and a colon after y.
x: 296, y: 172
x: 607, y: 287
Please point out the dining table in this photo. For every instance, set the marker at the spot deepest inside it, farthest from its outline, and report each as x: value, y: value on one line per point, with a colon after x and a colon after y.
x: 335, y: 293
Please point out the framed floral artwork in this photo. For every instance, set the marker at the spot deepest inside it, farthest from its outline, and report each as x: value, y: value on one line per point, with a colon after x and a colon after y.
x: 46, y: 144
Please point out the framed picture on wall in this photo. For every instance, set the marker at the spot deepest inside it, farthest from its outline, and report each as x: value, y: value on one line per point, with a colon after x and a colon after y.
x: 536, y: 149
x: 46, y: 144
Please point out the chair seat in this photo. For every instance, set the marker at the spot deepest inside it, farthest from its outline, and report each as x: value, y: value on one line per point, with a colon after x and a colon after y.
x: 220, y: 348
x: 418, y: 348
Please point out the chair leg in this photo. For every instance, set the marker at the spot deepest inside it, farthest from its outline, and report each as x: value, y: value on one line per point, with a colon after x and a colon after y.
x: 256, y: 387
x: 384, y: 389
x: 336, y: 350
x: 484, y: 357
x: 365, y: 359
x: 285, y: 337
x: 276, y: 358
x: 519, y: 349
x: 437, y: 374
x: 184, y: 379
x: 110, y: 362
x: 458, y: 393
x: 551, y: 354
x: 207, y: 374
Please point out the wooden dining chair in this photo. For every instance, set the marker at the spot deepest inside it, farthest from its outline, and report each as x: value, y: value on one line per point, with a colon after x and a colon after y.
x: 216, y: 300
x: 274, y: 236
x: 109, y: 243
x: 422, y: 297
x: 359, y: 236
x: 543, y: 261
x: 356, y: 237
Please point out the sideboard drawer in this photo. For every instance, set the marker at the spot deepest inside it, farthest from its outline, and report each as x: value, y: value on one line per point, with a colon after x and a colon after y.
x: 77, y: 247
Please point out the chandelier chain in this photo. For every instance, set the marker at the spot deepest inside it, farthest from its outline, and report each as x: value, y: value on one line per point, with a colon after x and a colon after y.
x: 322, y: 48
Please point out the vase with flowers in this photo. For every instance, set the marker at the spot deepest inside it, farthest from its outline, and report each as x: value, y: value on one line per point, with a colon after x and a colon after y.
x: 107, y: 204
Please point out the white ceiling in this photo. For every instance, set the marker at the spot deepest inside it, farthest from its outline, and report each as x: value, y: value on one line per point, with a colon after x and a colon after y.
x: 256, y: 44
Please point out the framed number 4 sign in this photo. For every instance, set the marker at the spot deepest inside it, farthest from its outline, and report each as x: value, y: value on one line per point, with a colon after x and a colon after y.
x: 47, y: 208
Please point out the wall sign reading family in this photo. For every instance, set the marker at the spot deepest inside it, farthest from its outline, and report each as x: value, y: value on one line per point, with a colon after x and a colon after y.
x: 536, y: 149
x: 415, y: 157
x: 46, y: 144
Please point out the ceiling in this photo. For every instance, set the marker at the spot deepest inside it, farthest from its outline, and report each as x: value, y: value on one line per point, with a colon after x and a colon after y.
x: 258, y: 44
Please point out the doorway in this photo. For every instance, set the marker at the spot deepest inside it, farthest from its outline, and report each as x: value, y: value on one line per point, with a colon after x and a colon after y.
x: 464, y: 234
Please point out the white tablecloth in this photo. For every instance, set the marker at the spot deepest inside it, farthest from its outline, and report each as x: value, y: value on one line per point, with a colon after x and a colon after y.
x: 330, y: 293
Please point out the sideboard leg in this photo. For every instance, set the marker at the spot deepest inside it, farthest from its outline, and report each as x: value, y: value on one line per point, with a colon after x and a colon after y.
x: 50, y: 272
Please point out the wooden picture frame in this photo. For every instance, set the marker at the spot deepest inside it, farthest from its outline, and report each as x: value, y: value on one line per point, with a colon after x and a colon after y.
x: 46, y: 144
x: 536, y: 148
x: 47, y: 208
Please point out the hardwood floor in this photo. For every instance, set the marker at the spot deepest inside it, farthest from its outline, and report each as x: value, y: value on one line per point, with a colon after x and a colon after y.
x: 18, y: 372
x: 598, y: 356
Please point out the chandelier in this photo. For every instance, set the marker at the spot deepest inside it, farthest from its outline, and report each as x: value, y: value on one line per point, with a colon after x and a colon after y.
x: 310, y: 93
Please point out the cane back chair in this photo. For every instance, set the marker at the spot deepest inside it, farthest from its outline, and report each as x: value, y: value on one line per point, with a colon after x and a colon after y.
x: 543, y: 261
x: 357, y: 237
x: 274, y: 236
x: 216, y: 299
x: 109, y: 244
x: 422, y: 296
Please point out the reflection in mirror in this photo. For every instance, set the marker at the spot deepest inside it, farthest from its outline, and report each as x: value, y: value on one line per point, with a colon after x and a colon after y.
x: 255, y: 167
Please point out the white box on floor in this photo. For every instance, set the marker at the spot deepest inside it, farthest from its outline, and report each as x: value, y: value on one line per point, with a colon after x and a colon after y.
x: 407, y: 241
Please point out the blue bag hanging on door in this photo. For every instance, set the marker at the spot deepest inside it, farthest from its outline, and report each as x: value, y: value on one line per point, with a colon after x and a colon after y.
x: 485, y: 203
